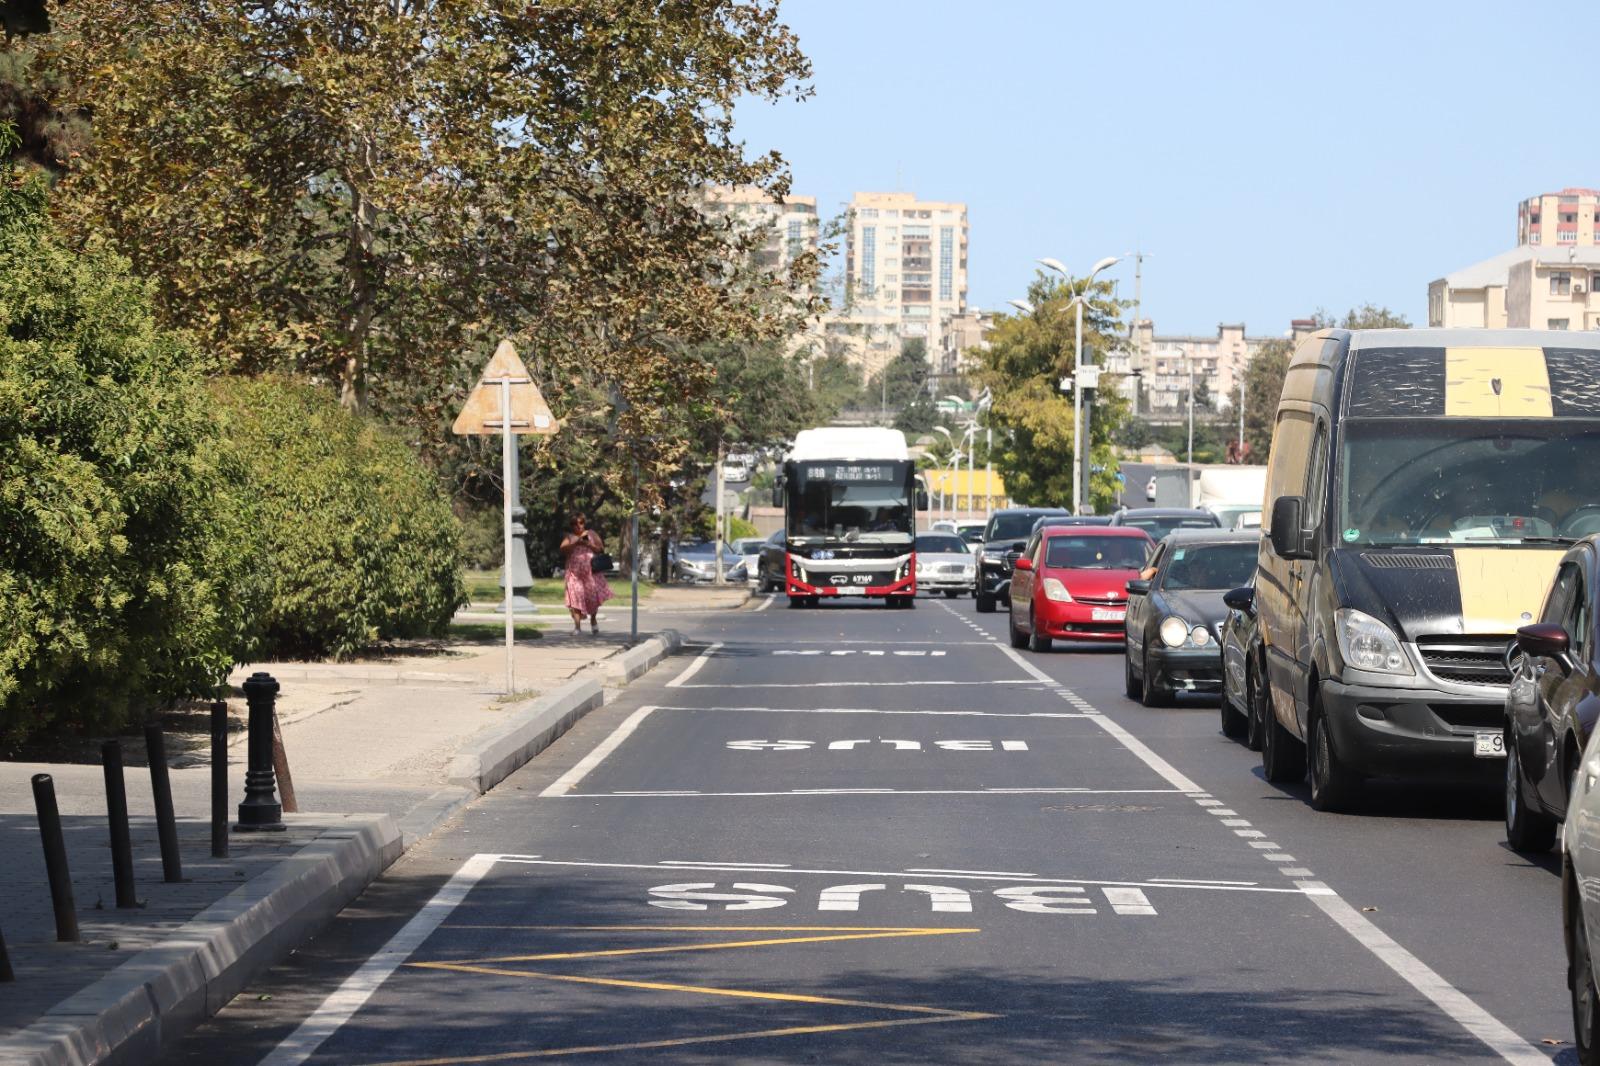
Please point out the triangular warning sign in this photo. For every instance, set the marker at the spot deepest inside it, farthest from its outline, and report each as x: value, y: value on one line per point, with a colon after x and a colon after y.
x: 482, y: 416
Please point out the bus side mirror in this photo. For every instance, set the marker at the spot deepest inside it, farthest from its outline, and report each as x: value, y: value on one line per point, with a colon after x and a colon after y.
x: 777, y: 493
x: 922, y: 499
x: 1290, y: 539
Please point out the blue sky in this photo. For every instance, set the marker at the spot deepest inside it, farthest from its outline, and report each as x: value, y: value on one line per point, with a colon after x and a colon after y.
x: 1270, y: 158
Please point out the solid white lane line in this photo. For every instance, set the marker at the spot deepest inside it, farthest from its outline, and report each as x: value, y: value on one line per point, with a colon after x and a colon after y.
x: 1145, y: 755
x: 1201, y: 881
x: 976, y: 873
x: 1452, y: 1001
x: 638, y: 793
x: 1207, y: 886
x: 694, y: 667
x: 563, y: 784
x: 356, y: 989
x: 873, y: 710
x: 724, y: 865
x: 845, y: 684
x: 766, y: 603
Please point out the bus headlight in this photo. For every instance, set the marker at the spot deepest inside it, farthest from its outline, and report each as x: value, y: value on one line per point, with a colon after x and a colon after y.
x: 1368, y: 644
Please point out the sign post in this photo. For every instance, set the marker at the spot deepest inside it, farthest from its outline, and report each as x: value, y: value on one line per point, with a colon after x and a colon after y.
x: 506, y: 401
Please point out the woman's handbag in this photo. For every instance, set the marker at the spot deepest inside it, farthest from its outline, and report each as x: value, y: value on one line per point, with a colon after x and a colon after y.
x: 602, y: 563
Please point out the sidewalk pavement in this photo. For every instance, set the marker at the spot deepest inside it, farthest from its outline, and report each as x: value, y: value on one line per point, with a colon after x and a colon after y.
x: 367, y: 743
x: 665, y: 599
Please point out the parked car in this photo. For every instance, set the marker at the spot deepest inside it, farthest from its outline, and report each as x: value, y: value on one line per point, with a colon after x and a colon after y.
x: 772, y: 572
x: 1004, y: 536
x: 1159, y: 521
x: 944, y: 564
x: 697, y: 562
x: 1174, y: 620
x: 1552, y: 703
x: 1242, y: 701
x: 1071, y: 584
x: 735, y: 470
x: 749, y: 549
x: 1580, y: 903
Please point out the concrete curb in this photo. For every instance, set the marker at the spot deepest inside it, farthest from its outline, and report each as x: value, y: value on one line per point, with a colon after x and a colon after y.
x: 492, y: 756
x: 621, y: 669
x: 145, y: 1004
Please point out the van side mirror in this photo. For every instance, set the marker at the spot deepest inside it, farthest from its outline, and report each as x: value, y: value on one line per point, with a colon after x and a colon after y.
x: 1547, y: 640
x: 1241, y: 599
x: 1290, y: 539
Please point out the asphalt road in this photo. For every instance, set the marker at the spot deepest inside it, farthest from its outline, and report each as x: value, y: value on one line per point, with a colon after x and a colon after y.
x: 854, y: 835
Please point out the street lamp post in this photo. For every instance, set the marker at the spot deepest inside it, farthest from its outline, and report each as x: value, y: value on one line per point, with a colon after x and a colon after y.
x: 1190, y: 362
x: 1077, y: 371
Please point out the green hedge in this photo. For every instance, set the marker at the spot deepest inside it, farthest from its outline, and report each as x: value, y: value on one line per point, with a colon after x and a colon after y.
x: 119, y: 578
x: 357, y: 540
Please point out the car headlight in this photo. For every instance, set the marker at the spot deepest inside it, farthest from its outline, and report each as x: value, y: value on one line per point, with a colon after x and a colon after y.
x: 1055, y: 590
x: 1174, y: 631
x: 1368, y: 644
x: 1199, y: 636
x: 994, y: 557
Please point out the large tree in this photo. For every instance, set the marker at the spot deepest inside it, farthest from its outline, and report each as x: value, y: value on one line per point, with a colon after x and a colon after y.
x: 372, y: 192
x: 1022, y: 365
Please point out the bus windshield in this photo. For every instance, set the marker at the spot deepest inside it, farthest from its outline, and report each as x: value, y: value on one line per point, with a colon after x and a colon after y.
x: 851, y: 501
x: 1468, y: 480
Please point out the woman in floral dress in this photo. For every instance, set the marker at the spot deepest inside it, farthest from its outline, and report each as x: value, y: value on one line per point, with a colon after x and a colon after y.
x: 586, y: 590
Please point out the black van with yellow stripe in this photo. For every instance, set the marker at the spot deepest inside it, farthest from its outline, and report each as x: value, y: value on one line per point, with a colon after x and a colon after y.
x: 1422, y: 486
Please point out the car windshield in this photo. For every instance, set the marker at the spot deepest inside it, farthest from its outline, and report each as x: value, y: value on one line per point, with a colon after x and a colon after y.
x: 941, y: 544
x: 1209, y: 566
x: 701, y: 549
x: 973, y: 535
x: 1160, y: 527
x: 1097, y: 553
x: 1459, y: 480
x: 748, y: 545
x: 1018, y: 526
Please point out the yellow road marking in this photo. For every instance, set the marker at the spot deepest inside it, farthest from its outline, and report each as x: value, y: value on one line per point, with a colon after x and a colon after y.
x: 718, y: 946
x: 720, y: 1038
x: 1496, y: 383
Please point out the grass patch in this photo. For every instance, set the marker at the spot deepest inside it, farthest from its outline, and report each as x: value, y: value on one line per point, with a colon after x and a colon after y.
x: 492, y: 632
x: 483, y: 586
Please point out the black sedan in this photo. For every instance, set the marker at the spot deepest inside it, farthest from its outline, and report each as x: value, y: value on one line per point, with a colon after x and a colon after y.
x: 1552, y: 703
x: 1243, y: 700
x: 772, y: 572
x: 1175, y: 614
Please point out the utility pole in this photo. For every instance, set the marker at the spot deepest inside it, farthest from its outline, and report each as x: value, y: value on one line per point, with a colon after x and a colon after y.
x: 716, y: 539
x: 1241, y: 417
x: 1190, y: 360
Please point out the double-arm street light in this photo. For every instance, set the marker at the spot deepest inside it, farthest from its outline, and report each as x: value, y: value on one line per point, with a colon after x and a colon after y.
x: 1078, y: 297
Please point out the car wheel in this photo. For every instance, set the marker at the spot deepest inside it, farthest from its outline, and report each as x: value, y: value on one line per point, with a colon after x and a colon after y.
x: 1234, y: 724
x: 1156, y: 693
x: 985, y: 604
x: 1019, y: 639
x: 1527, y: 830
x: 1333, y: 783
x: 951, y: 594
x: 1256, y: 719
x: 1283, y: 757
x: 1131, y: 684
x: 1037, y: 641
x: 1580, y: 979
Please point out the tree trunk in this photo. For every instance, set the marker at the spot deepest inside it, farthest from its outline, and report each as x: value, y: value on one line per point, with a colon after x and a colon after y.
x: 361, y: 306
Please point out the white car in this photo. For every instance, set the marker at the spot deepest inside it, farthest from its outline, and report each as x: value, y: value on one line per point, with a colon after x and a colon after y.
x: 944, y: 564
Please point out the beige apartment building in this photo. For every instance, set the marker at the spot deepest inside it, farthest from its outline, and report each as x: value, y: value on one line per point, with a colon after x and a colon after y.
x: 1167, y: 361
x: 905, y: 266
x: 1568, y: 217
x: 792, y: 226
x: 960, y: 336
x: 1532, y: 286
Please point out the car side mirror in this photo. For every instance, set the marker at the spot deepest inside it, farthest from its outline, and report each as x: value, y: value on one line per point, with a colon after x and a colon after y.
x: 1139, y: 587
x: 1242, y: 599
x: 1547, y: 640
x: 1290, y: 539
x: 1024, y: 563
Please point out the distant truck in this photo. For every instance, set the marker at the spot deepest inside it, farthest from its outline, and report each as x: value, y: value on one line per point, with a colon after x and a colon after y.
x: 1227, y: 490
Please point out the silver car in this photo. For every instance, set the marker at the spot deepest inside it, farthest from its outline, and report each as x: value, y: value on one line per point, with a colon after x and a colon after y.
x: 697, y: 562
x: 944, y: 564
x: 749, y: 549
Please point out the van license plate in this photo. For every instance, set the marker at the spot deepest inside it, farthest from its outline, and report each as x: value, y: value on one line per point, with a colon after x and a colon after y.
x: 1487, y: 745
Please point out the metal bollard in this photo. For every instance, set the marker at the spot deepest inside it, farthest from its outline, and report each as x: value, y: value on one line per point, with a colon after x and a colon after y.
x: 117, y: 815
x: 55, y: 857
x: 166, y: 821
x: 5, y: 962
x: 260, y: 811
x: 219, y: 780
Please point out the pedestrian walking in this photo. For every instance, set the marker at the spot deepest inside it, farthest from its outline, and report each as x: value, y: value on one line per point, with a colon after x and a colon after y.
x: 586, y: 590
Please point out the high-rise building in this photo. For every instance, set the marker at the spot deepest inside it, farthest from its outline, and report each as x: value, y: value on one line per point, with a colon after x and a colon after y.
x: 906, y: 263
x: 1568, y: 217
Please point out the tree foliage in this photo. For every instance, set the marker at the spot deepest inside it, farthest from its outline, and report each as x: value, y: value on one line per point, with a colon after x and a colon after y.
x: 903, y: 378
x: 122, y: 577
x: 1026, y: 357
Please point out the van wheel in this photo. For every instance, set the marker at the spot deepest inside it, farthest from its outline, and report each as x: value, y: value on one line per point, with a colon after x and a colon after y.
x: 985, y: 604
x: 1527, y: 830
x: 1283, y: 757
x: 1333, y: 783
x: 1131, y: 685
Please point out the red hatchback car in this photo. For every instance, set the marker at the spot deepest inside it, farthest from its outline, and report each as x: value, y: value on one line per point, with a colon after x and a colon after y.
x: 1070, y: 583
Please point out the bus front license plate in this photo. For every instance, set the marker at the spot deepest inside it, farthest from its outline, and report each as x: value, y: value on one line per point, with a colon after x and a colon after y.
x: 848, y: 591
x: 1489, y: 745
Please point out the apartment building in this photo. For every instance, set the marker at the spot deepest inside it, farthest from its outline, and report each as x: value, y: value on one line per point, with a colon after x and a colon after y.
x: 1565, y: 218
x: 906, y: 264
x: 1167, y: 360
x: 1532, y: 286
x: 791, y: 226
x: 960, y: 336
